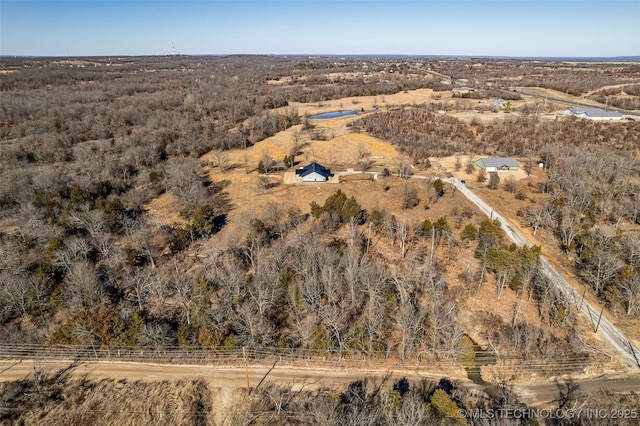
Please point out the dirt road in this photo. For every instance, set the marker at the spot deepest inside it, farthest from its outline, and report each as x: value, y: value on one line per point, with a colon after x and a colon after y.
x: 545, y: 394
x: 232, y: 377
x: 605, y: 327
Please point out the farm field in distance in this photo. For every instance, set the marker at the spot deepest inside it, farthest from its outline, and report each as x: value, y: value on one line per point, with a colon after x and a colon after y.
x: 151, y: 205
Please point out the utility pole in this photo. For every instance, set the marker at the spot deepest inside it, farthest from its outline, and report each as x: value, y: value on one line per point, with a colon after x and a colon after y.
x: 582, y: 300
x: 246, y: 370
x: 599, y: 318
x: 634, y: 353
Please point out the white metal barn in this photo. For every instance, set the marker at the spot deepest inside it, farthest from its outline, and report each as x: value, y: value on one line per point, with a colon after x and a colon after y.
x: 594, y: 114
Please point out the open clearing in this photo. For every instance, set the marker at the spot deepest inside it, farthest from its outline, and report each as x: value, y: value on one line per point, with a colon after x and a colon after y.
x: 331, y: 143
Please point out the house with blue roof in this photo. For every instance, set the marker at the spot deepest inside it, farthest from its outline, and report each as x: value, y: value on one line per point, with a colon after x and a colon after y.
x: 314, y: 172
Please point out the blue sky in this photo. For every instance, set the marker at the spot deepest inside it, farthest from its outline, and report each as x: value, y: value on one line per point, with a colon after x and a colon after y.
x: 420, y: 27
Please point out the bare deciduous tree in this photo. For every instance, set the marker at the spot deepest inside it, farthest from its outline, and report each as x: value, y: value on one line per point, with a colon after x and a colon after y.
x: 494, y: 180
x: 629, y: 285
x: 82, y: 287
x: 14, y: 296
x: 183, y: 177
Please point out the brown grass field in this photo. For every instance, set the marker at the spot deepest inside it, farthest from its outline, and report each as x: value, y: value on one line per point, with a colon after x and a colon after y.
x: 66, y: 401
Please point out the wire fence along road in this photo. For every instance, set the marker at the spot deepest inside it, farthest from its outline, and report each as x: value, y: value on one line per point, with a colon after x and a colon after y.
x: 221, y: 356
x: 160, y: 354
x: 235, y: 357
x: 600, y: 322
x: 167, y: 354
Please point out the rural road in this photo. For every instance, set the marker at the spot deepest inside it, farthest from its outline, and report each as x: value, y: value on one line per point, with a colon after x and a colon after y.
x: 226, y: 376
x: 232, y: 377
x: 574, y: 103
x: 606, y: 328
x: 542, y: 394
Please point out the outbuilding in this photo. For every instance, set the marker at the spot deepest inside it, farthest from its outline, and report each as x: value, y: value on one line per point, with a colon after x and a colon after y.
x: 493, y: 164
x: 594, y: 114
x: 462, y: 92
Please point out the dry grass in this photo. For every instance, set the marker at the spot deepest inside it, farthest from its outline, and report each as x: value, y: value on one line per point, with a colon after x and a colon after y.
x: 339, y: 150
x: 369, y: 103
x: 344, y: 150
x: 164, y: 210
x: 56, y: 399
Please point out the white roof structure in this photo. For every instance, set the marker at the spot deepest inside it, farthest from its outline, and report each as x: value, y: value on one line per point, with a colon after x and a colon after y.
x: 464, y: 89
x: 594, y: 114
x: 494, y: 164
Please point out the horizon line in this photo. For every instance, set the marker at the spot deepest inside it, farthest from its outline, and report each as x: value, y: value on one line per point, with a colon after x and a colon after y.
x: 329, y: 55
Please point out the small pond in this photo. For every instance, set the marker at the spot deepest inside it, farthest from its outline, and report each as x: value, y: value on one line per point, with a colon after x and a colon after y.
x: 334, y: 114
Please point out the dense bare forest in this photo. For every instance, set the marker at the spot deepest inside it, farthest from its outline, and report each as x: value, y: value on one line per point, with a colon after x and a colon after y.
x: 86, y: 144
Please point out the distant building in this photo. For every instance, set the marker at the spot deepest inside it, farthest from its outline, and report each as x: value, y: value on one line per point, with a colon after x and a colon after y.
x: 462, y: 92
x: 493, y: 164
x: 593, y: 114
x: 314, y: 172
x: 498, y: 105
